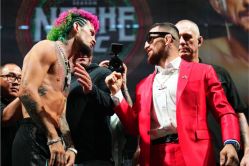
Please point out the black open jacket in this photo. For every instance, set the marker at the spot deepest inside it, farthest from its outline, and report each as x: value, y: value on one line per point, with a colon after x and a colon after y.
x: 88, y: 116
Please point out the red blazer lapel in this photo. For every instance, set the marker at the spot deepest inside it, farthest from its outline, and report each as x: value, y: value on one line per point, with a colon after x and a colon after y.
x: 185, y: 68
x: 148, y: 88
x: 146, y: 99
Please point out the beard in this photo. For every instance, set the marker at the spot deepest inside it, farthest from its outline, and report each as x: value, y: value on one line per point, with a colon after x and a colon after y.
x: 82, y: 52
x: 158, y: 55
x: 154, y: 59
x: 81, y: 48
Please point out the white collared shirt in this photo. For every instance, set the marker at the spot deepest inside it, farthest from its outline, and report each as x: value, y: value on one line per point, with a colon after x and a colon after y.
x: 163, y: 118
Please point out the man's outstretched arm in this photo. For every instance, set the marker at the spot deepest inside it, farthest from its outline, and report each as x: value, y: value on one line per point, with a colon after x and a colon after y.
x: 12, y: 112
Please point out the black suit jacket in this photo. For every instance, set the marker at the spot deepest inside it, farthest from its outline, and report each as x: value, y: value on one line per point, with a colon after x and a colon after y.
x: 88, y: 116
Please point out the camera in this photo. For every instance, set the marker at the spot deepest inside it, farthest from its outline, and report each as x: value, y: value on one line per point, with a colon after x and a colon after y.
x: 116, y: 64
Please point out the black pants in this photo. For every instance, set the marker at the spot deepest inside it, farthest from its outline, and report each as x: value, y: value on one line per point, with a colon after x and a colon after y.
x: 96, y: 163
x: 7, y: 137
x: 30, y: 145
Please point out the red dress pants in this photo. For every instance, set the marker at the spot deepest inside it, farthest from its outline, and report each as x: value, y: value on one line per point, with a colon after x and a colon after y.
x: 167, y: 154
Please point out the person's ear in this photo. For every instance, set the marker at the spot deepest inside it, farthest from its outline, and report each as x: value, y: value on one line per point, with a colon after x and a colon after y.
x: 76, y: 26
x: 168, y: 39
x: 200, y: 41
x: 217, y: 6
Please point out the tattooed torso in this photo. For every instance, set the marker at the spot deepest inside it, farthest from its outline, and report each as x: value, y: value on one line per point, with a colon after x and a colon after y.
x: 52, y: 91
x: 44, y: 86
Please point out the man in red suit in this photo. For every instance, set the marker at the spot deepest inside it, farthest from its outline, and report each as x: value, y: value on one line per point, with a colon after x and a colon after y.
x: 170, y: 112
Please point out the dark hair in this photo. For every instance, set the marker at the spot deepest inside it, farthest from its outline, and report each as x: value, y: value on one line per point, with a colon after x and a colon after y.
x: 168, y: 27
x: 6, y: 64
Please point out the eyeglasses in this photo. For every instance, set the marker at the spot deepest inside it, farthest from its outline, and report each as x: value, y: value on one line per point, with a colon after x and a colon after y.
x: 153, y: 35
x: 12, y: 77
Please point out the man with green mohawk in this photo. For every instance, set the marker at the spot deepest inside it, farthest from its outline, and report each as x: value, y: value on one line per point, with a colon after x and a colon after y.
x: 44, y: 137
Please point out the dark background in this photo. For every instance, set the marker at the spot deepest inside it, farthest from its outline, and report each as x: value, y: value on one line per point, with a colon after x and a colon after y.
x: 198, y: 11
x: 210, y: 23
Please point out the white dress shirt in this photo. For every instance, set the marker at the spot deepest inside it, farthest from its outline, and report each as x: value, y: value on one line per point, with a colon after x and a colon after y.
x: 163, y: 118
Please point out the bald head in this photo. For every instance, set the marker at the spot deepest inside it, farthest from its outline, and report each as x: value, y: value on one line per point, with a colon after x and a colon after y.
x: 190, y: 40
x: 187, y: 25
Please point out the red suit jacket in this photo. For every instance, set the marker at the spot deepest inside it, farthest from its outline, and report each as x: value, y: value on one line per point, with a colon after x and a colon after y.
x: 198, y: 86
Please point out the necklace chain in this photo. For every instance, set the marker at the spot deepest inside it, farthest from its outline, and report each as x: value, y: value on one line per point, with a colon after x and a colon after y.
x: 162, y: 84
x: 67, y: 67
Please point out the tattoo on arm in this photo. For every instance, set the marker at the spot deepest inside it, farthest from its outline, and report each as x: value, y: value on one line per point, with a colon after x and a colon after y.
x: 31, y: 107
x: 42, y: 91
x: 65, y: 131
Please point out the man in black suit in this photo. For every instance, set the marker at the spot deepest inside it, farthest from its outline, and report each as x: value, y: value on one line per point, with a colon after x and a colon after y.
x: 89, y: 107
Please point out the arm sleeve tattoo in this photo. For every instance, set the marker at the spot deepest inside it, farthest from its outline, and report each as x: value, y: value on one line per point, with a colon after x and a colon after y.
x: 32, y: 108
x: 36, y: 111
x: 65, y: 131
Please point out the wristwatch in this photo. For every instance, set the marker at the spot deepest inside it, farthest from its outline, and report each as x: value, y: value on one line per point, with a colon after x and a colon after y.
x: 235, y: 144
